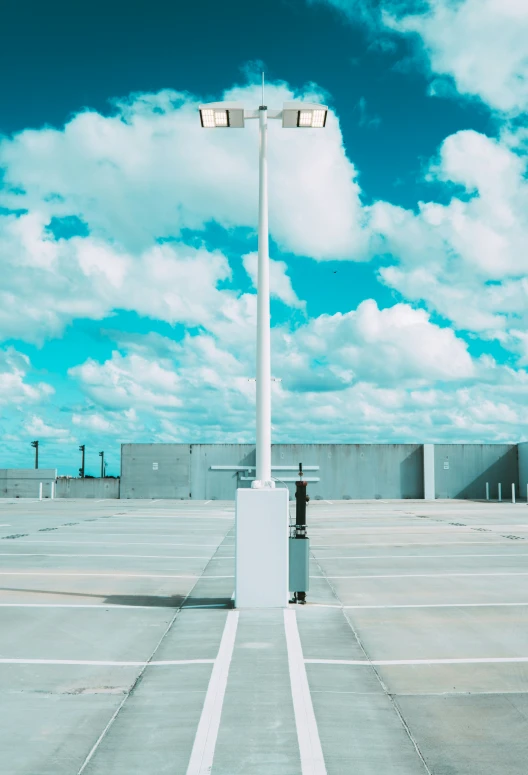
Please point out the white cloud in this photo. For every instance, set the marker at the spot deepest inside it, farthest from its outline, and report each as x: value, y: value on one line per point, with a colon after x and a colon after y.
x: 150, y: 171
x: 480, y: 45
x: 37, y: 427
x: 14, y: 389
x: 280, y: 283
x: 467, y: 259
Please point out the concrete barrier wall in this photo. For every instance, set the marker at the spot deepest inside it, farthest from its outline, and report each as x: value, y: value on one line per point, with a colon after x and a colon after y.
x: 462, y: 470
x: 24, y: 482
x: 349, y: 471
x: 523, y: 468
x: 155, y: 470
x: 87, y: 488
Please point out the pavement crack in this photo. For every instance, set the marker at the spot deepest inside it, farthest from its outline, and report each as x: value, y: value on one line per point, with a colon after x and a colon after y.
x: 139, y: 676
x: 386, y: 691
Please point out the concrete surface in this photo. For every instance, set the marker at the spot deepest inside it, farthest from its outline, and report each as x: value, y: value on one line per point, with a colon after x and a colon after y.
x: 413, y: 645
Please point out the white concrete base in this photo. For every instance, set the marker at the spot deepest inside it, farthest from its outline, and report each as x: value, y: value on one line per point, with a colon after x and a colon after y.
x: 261, y: 548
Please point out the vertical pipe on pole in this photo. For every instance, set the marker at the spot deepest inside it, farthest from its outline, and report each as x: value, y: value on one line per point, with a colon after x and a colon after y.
x: 500, y: 491
x: 487, y: 491
x: 513, y: 492
x: 263, y: 445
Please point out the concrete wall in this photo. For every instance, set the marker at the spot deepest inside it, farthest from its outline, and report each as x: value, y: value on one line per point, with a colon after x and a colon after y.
x: 346, y: 471
x: 462, y: 470
x: 24, y: 482
x: 523, y: 468
x: 155, y: 471
x: 86, y: 488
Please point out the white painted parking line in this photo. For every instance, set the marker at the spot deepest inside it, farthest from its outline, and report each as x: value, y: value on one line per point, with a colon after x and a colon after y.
x: 421, y: 575
x: 414, y: 662
x: 506, y: 555
x: 23, y: 542
x: 128, y: 556
x: 423, y: 605
x: 330, y: 502
x: 492, y: 540
x: 105, y: 663
x: 95, y: 606
x: 113, y: 575
x: 202, y: 754
x: 312, y: 760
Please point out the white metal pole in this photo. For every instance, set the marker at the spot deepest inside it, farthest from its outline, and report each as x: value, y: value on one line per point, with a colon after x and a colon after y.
x: 263, y: 446
x: 513, y: 492
x: 487, y: 491
x: 40, y: 491
x: 500, y: 491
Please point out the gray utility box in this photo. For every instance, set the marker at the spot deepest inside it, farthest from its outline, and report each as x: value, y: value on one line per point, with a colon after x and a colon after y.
x: 299, y: 564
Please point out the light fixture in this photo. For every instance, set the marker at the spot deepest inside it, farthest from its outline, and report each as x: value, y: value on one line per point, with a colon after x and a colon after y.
x: 222, y: 115
x: 304, y: 115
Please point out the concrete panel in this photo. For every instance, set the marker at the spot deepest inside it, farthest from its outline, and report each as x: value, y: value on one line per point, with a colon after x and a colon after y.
x: 24, y: 482
x: 68, y: 487
x: 207, y: 484
x: 356, y: 471
x: 523, y: 468
x: 155, y: 470
x: 462, y: 470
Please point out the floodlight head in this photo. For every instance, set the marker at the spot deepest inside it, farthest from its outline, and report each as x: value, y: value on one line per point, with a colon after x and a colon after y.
x: 304, y: 115
x: 222, y: 115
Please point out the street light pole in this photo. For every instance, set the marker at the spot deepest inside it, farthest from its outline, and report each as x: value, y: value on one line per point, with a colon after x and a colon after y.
x: 262, y: 511
x: 35, y: 444
x: 263, y: 439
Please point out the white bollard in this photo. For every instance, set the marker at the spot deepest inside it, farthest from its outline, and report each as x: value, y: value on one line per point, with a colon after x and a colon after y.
x: 40, y: 491
x: 52, y: 490
x: 487, y: 491
x: 513, y: 493
x: 500, y: 492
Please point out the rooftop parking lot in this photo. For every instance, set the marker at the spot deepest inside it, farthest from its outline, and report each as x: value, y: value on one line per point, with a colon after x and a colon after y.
x: 120, y: 651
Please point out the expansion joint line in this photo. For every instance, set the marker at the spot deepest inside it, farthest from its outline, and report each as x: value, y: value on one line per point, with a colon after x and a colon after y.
x: 150, y: 659
x: 390, y: 697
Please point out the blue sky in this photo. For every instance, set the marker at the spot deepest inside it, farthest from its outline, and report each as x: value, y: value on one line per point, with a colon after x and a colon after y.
x: 127, y: 234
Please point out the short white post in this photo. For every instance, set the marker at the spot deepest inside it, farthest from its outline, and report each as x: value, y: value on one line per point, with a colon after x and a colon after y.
x: 40, y: 491
x: 487, y: 491
x: 52, y: 490
x: 513, y: 492
x: 500, y: 492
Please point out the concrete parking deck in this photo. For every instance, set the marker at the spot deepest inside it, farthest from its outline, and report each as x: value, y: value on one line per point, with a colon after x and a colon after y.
x: 120, y: 651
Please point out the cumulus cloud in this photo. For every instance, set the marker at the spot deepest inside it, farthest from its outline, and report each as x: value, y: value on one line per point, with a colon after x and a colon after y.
x: 150, y: 171
x: 467, y: 259
x: 382, y: 376
x: 14, y: 388
x: 479, y: 45
x: 280, y: 283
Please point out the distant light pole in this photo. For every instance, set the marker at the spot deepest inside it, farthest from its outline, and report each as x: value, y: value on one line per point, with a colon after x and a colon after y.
x: 35, y: 444
x: 232, y: 115
x: 101, y: 455
x: 82, y: 449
